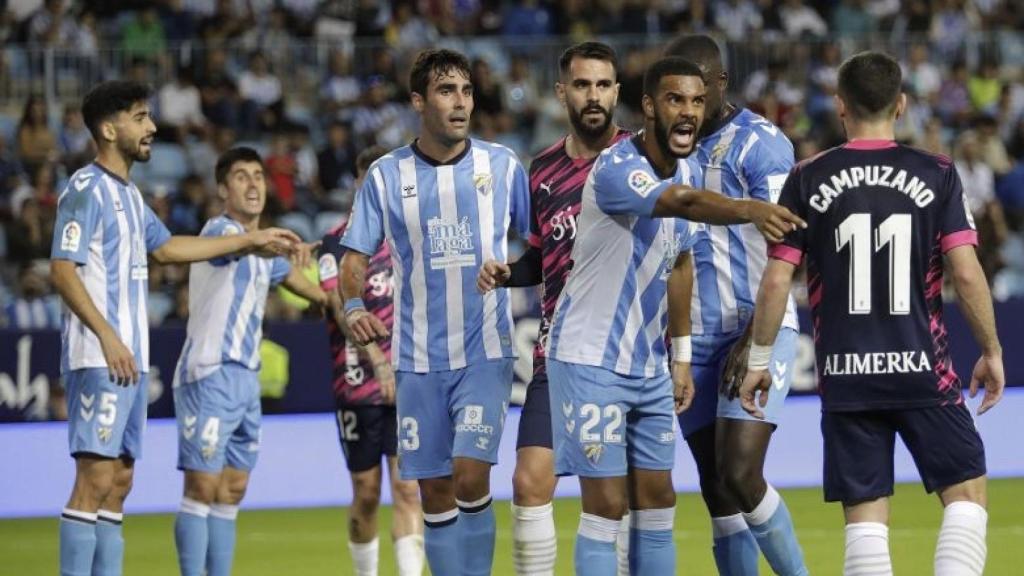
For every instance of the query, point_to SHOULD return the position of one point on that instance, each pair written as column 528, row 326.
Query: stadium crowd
column 310, row 83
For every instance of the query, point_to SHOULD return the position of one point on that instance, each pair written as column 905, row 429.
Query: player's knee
column 406, row 494
column 201, row 487
column 472, row 479
column 741, row 480
column 93, row 488
column 438, row 495
column 233, row 491
column 532, row 488
column 973, row 490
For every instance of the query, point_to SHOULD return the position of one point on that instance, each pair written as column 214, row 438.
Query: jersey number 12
column 893, row 232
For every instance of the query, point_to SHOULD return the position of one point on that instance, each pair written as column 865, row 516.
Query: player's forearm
column 680, row 296
column 352, row 277
column 702, row 206
column 771, row 301
column 527, row 270
column 975, row 302
column 183, row 249
column 374, row 354
column 73, row 292
column 298, row 284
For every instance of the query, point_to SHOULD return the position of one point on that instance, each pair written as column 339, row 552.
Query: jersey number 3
column 893, row 232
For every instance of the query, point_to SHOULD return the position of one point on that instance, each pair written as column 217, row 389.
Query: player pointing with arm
column 613, row 399
column 881, row 219
column 102, row 237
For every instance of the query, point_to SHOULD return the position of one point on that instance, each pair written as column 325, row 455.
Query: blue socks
column 652, row 550
column 772, row 526
column 77, row 542
column 595, row 546
column 220, row 551
column 441, row 540
column 108, row 559
column 735, row 550
column 191, row 536
column 476, row 533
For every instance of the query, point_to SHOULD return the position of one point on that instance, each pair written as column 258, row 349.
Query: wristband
column 353, row 304
column 682, row 349
column 759, row 357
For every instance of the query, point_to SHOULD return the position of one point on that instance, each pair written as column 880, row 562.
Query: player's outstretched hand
column 988, row 371
column 735, row 368
column 303, row 252
column 492, row 275
column 774, row 221
column 385, row 376
column 683, row 389
column 275, row 241
column 754, row 381
column 120, row 360
column 365, row 327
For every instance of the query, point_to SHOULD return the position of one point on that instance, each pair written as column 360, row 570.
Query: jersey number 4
column 893, row 232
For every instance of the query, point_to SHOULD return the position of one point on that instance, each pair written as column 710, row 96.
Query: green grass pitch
column 311, row 542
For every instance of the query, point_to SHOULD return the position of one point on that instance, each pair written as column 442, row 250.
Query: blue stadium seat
column 299, row 223
column 167, row 166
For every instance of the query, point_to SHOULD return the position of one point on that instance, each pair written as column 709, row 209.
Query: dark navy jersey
column 880, row 216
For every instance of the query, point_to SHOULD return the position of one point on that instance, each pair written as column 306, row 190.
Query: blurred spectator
column 953, row 103
column 378, row 121
column 738, row 19
column 75, row 142
column 852, row 19
column 35, row 308
column 920, row 74
column 272, row 39
column 993, row 151
column 932, row 139
column 407, row 31
column 772, row 82
column 527, row 18
column 218, row 90
column 261, row 92
column 187, row 206
column 488, row 101
column 9, row 171
column 178, row 22
column 180, row 108
column 87, row 40
column 281, row 171
column 980, row 192
column 337, row 159
column 161, row 295
column 203, row 155
column 823, row 81
column 340, row 88
column 224, row 23
column 36, row 141
column 30, row 234
column 801, row 21
column 951, row 23
column 52, row 26
column 985, row 87
column 144, row 36
column 521, row 93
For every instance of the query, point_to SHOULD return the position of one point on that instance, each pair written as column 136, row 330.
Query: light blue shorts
column 219, row 420
column 709, row 355
column 451, row 414
column 104, row 418
column 603, row 423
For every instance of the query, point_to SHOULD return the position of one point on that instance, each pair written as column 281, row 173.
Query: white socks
column 534, row 541
column 867, row 550
column 622, row 546
column 409, row 555
column 765, row 510
column 961, row 549
column 364, row 556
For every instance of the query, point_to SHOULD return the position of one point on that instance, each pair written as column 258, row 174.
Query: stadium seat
column 324, row 221
column 299, row 223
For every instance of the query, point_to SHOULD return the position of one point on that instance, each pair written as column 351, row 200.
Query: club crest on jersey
column 641, row 182
column 593, row 452
column 229, row 230
column 71, row 237
column 482, row 183
column 718, row 153
column 482, row 442
column 473, row 414
column 104, row 433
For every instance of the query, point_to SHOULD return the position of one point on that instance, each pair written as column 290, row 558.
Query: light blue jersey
column 748, row 157
column 104, row 226
column 227, row 296
column 613, row 310
column 441, row 223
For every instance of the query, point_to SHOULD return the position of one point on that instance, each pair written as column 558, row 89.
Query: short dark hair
column 869, row 84
column 233, row 156
column 436, row 62
column 668, row 66
column 368, row 157
column 698, row 48
column 588, row 51
column 109, row 98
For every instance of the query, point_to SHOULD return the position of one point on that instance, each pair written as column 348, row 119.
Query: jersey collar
column 122, row 181
column 433, row 162
column 870, row 144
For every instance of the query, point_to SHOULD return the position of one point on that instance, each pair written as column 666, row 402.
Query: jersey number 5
column 893, row 232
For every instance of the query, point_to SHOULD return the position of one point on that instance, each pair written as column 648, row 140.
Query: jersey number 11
column 893, row 232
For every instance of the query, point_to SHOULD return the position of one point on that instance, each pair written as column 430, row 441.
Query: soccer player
column 883, row 219
column 445, row 204
column 101, row 238
column 612, row 414
column 742, row 155
column 364, row 390
column 588, row 91
column 216, row 383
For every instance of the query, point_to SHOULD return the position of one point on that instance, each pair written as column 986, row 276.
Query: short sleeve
column 519, row 197
column 157, row 233
column 79, row 213
column 793, row 244
column 766, row 169
column 280, row 267
column 221, row 226
column 331, row 252
column 365, row 230
column 626, row 186
column 957, row 227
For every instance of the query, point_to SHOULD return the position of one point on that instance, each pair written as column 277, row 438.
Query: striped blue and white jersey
column 226, row 298
column 104, row 226
column 613, row 312
column 748, row 157
column 441, row 222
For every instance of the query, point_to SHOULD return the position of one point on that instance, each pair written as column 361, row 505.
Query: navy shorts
column 535, row 419
column 943, row 441
column 367, row 434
